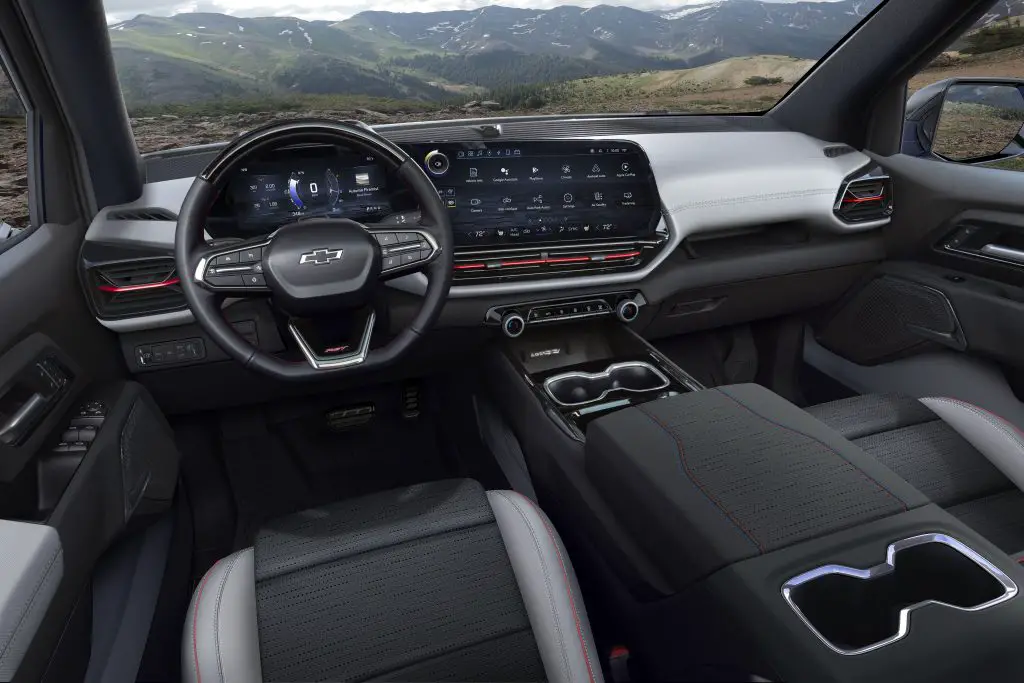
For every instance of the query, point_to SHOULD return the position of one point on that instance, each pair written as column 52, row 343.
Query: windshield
column 194, row 77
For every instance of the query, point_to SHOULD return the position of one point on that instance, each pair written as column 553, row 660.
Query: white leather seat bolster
column 550, row 591
column 221, row 638
column 994, row 437
column 31, row 567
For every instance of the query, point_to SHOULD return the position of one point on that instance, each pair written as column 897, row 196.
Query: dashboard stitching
column 773, row 196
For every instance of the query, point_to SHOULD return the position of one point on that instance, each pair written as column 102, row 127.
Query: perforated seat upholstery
column 441, row 581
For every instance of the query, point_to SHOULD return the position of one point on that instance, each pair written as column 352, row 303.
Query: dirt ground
column 166, row 132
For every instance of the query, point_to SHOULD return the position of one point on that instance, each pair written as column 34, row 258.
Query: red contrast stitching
column 568, row 585
column 689, row 473
column 195, row 621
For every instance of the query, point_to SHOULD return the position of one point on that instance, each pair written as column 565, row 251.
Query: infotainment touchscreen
column 512, row 193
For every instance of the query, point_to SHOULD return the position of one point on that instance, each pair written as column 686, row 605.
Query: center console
column 801, row 557
column 583, row 372
column 736, row 537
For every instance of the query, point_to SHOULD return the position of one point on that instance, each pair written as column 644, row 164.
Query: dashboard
column 714, row 201
column 503, row 194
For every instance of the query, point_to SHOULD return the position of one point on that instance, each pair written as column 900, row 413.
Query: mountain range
column 194, row 57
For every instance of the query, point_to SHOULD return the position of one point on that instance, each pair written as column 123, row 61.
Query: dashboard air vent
column 136, row 288
column 865, row 199
column 143, row 214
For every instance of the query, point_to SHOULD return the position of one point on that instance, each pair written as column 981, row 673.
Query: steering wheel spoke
column 404, row 251
column 235, row 269
column 338, row 342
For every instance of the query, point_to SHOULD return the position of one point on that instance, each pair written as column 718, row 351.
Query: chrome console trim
column 1009, row 587
column 664, row 381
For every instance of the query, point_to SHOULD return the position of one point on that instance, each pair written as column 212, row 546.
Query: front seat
column 440, row 581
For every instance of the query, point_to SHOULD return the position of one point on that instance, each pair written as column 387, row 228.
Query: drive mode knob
column 436, row 162
column 627, row 311
column 512, row 324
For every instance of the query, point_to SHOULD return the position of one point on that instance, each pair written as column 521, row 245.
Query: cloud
column 119, row 10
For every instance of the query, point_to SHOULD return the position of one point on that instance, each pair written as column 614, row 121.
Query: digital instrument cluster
column 345, row 185
column 525, row 192
column 497, row 194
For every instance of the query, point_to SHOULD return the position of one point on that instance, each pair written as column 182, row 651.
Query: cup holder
column 579, row 388
column 854, row 611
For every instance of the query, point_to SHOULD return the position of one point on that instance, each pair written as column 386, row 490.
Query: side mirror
column 968, row 121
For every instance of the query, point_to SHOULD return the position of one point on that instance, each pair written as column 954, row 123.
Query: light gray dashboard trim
column 156, row 321
column 708, row 182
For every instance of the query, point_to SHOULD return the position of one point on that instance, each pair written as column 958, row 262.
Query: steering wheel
column 313, row 268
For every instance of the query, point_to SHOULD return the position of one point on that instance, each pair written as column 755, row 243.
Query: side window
column 967, row 106
column 14, row 215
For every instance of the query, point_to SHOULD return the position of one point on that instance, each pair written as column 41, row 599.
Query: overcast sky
column 119, row 10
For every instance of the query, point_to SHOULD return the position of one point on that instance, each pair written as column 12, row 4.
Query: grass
column 1011, row 164
column 970, row 130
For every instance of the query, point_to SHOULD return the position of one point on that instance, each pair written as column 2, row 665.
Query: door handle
column 23, row 419
column 1008, row 253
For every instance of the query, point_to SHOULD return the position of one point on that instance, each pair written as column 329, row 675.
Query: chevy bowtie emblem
column 321, row 257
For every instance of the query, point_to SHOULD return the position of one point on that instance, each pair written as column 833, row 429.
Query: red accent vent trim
column 115, row 289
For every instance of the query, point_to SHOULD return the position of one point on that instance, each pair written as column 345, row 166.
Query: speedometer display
column 271, row 193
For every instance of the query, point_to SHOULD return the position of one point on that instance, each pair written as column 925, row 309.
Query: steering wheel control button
column 251, row 255
column 231, row 259
column 513, row 324
column 410, row 257
column 254, row 280
column 386, row 239
column 437, row 163
column 391, row 262
column 407, row 237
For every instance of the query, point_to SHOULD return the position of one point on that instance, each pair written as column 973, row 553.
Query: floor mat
column 286, row 457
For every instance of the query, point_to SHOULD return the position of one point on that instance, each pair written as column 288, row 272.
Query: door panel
column 947, row 283
column 81, row 450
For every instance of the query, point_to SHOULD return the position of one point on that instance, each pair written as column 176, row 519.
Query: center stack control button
column 436, row 162
column 513, row 324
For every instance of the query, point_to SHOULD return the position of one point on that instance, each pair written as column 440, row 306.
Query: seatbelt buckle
column 618, row 664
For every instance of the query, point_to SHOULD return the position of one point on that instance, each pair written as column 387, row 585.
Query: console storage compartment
column 708, row 478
